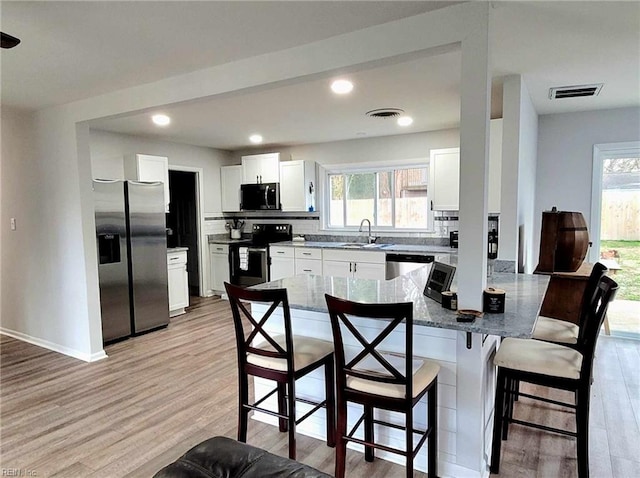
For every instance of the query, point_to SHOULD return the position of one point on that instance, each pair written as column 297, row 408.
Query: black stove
column 250, row 261
column 265, row 234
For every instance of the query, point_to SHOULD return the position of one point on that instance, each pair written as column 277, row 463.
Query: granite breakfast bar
column 464, row 351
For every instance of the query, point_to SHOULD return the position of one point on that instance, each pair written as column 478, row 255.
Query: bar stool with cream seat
column 561, row 331
column 555, row 366
column 282, row 357
column 377, row 379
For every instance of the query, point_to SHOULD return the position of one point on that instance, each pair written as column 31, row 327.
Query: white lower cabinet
column 337, row 268
column 282, row 263
column 368, row 270
column 308, row 266
column 219, row 266
column 178, row 282
column 308, row 260
column 290, row 261
column 357, row 264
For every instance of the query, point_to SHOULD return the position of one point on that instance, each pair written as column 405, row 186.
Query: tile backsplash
column 310, row 224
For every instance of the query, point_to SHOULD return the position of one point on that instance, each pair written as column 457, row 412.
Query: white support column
column 510, row 164
column 474, row 166
column 472, row 253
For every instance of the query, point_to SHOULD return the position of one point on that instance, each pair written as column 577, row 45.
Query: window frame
column 372, row 167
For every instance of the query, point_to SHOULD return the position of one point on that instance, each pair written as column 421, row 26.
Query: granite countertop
column 176, row 249
column 225, row 239
column 524, row 295
column 393, row 248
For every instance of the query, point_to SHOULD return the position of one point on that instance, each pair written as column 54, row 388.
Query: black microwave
column 254, row 197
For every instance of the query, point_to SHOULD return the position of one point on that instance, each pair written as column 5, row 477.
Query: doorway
column 182, row 222
column 615, row 223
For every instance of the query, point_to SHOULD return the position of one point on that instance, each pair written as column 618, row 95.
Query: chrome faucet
column 370, row 238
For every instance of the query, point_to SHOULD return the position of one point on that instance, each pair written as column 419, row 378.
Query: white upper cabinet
column 444, row 179
column 230, row 180
column 145, row 167
column 261, row 168
column 444, row 174
column 296, row 178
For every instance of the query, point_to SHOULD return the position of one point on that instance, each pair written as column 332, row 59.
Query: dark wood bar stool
column 555, row 366
column 560, row 331
column 282, row 357
column 377, row 379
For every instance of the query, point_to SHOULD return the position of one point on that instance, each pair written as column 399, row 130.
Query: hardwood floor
column 161, row 393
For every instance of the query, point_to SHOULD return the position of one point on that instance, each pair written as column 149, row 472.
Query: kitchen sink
column 361, row 245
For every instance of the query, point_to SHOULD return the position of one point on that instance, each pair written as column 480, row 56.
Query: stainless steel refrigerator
column 132, row 257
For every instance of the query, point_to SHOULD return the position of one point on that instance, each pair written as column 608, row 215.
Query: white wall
column 61, row 296
column 48, row 246
column 16, row 162
column 108, row 150
column 565, row 158
column 519, row 158
column 381, row 149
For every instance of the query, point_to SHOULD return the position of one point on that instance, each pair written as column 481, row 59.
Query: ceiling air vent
column 385, row 113
column 574, row 91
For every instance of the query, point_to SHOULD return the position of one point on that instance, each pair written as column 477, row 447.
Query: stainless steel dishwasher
column 398, row 264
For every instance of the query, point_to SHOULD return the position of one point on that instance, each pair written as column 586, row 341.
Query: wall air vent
column 577, row 91
column 385, row 113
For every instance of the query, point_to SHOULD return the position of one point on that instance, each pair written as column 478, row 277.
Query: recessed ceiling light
column 161, row 120
column 255, row 138
column 341, row 87
column 405, row 120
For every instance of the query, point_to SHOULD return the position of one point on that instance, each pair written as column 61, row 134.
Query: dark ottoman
column 222, row 457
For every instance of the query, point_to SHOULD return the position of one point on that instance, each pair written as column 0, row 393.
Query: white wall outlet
column 13, row 223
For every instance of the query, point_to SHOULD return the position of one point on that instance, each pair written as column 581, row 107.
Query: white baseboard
column 54, row 347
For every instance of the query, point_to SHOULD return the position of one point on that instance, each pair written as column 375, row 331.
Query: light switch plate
column 13, row 223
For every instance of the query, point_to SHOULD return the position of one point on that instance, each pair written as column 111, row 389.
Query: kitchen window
column 394, row 198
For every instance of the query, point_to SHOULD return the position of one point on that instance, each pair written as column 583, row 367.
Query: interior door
column 183, row 222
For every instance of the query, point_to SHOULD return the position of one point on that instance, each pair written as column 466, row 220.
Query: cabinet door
column 337, row 268
column 292, row 186
column 281, row 267
column 444, row 179
column 230, row 180
column 178, row 287
column 145, row 167
column 296, row 178
column 495, row 165
column 308, row 266
column 367, row 270
column 219, row 270
column 261, row 168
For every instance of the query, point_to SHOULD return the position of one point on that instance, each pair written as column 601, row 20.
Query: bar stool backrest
column 341, row 311
column 246, row 340
column 594, row 317
column 591, row 289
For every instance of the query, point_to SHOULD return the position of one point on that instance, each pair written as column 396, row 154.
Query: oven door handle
column 256, row 249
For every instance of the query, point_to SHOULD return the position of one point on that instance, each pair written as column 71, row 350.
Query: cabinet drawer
column 219, row 248
column 276, row 251
column 174, row 258
column 308, row 253
column 308, row 266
